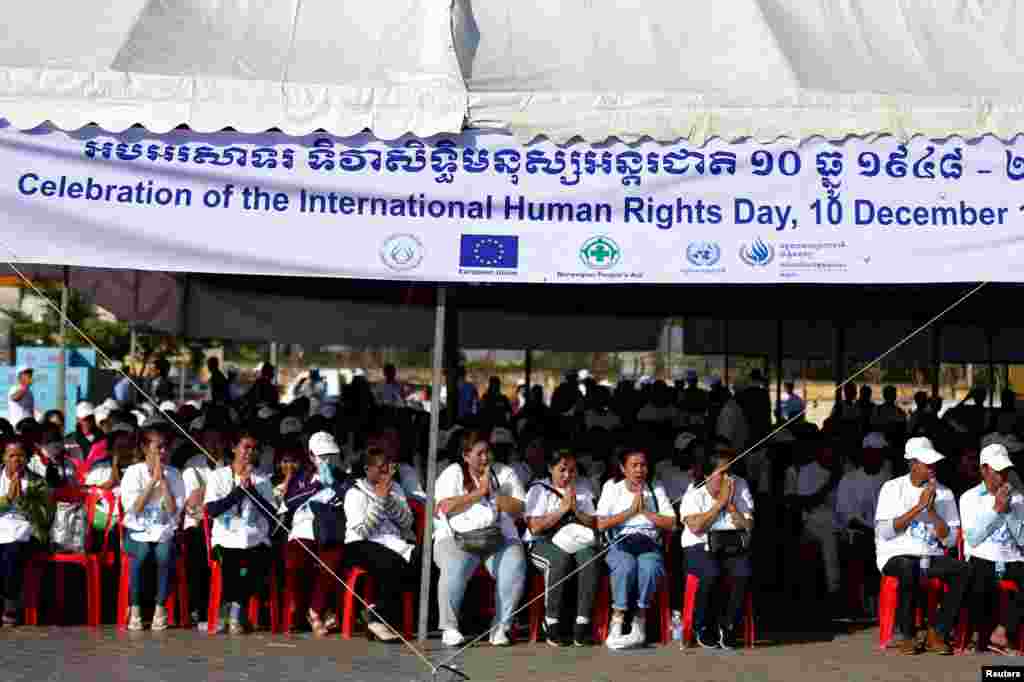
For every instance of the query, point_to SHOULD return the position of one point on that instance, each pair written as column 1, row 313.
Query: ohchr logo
column 401, row 252
column 600, row 253
column 757, row 253
column 703, row 254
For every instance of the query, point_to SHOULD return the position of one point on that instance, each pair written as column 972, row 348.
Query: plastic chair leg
column 689, row 600
column 30, row 590
column 213, row 609
column 60, row 575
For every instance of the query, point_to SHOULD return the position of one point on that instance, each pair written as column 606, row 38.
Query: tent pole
column 435, row 420
column 936, row 368
column 778, row 365
column 529, row 370
column 989, row 340
column 62, row 362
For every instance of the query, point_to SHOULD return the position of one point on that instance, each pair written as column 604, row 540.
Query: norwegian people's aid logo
column 703, row 254
column 600, row 253
column 401, row 252
column 757, row 253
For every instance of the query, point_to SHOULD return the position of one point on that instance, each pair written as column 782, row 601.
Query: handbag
column 480, row 541
column 67, row 534
column 728, row 543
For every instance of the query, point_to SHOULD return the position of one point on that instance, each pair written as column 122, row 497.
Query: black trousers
column 706, row 612
column 198, row 570
column 955, row 574
column 984, row 594
column 394, row 575
column 238, row 588
column 555, row 564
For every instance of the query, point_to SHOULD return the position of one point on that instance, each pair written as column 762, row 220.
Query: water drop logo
column 757, row 254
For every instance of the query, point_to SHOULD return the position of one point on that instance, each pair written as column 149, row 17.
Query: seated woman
column 23, row 515
column 240, row 504
column 475, row 494
column 563, row 501
column 304, row 487
column 153, row 497
column 635, row 513
column 380, row 537
column 723, row 503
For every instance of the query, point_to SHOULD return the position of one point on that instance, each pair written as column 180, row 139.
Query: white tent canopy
column 560, row 68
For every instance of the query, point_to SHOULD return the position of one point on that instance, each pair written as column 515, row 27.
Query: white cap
column 101, row 413
column 290, row 425
column 84, row 410
column 266, row 413
column 168, row 406
column 925, row 454
column 140, row 416
column 24, row 368
column 914, row 444
column 322, row 443
column 996, row 456
column 122, row 427
column 683, row 440
column 111, row 404
column 502, row 436
column 875, row 441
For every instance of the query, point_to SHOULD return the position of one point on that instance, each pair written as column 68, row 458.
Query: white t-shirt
column 24, row 408
column 303, row 526
column 675, row 480
column 357, row 501
column 540, row 500
column 154, row 523
column 197, row 470
column 895, row 499
column 243, row 526
column 14, row 526
column 1002, row 532
column 699, row 500
column 807, row 480
column 617, row 498
column 481, row 514
column 100, row 474
column 857, row 498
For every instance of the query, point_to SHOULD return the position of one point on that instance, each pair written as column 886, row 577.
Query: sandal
column 319, row 630
column 1000, row 644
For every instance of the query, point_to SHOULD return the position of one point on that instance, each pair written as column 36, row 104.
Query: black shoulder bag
column 481, row 541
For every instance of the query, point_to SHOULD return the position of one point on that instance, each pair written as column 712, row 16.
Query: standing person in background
column 757, row 407
column 21, row 404
column 918, row 416
column 790, row 404
column 468, row 399
column 160, row 388
column 218, row 382
column 124, row 389
column 389, row 392
column 264, row 390
column 495, row 408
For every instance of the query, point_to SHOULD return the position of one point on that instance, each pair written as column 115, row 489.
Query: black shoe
column 727, row 638
column 582, row 634
column 705, row 640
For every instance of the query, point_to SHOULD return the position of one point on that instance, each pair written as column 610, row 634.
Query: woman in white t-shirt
column 560, row 534
column 239, row 502
column 380, row 537
column 634, row 513
column 473, row 494
column 153, row 497
column 723, row 503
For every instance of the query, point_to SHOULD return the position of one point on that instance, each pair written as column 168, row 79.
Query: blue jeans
column 507, row 566
column 164, row 554
column 635, row 561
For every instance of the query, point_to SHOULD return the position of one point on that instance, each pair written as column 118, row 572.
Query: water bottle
column 926, row 562
column 1000, row 569
column 677, row 626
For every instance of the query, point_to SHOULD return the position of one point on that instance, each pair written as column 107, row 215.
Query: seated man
column 993, row 523
column 915, row 520
column 810, row 491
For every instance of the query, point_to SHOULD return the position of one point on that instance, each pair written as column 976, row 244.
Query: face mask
column 323, row 470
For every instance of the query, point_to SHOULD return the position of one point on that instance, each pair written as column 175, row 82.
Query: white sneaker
column 452, row 638
column 616, row 640
column 135, row 619
column 499, row 636
column 638, row 634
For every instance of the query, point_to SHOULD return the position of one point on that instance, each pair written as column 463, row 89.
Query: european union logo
column 489, row 251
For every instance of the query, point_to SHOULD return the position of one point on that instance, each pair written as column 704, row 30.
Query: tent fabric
column 252, row 65
column 564, row 69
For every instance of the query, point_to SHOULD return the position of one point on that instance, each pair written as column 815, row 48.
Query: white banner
column 482, row 208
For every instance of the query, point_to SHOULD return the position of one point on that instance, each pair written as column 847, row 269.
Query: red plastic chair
column 966, row 627
column 90, row 561
column 179, row 594
column 689, row 603
column 347, row 601
column 888, row 599
column 217, row 585
column 534, row 590
column 292, row 589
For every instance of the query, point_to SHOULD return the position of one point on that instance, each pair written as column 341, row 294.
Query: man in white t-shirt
column 915, row 523
column 992, row 514
column 21, row 404
column 810, row 490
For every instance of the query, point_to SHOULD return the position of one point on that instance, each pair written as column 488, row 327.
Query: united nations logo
column 757, row 253
column 703, row 254
column 401, row 252
column 600, row 253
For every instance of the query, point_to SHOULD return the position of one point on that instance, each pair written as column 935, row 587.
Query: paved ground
column 80, row 654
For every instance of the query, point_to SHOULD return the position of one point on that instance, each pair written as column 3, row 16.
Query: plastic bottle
column 1000, row 569
column 677, row 626
column 926, row 562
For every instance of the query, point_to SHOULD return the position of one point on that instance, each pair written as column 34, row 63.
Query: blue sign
column 44, row 388
column 489, row 251
column 43, row 356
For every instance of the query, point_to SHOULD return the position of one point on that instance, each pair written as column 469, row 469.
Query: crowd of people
column 645, row 484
